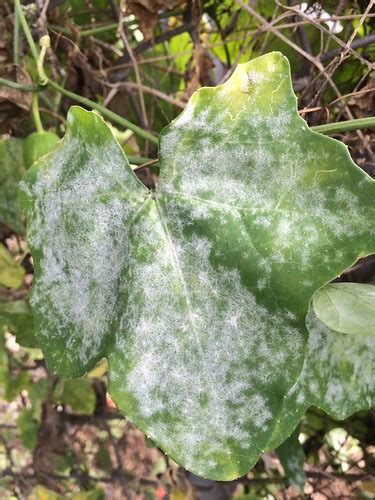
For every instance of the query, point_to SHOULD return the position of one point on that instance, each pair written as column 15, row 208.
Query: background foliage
column 143, row 60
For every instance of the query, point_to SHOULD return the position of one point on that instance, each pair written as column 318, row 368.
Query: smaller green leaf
column 11, row 171
column 4, row 368
column 292, row 458
column 17, row 317
column 38, row 393
column 346, row 308
column 64, row 463
column 99, row 370
column 103, row 458
column 15, row 156
column 79, row 394
column 37, row 145
column 339, row 369
column 11, row 273
column 15, row 385
column 28, row 428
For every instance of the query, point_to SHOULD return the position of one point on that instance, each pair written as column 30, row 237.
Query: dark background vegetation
column 143, row 59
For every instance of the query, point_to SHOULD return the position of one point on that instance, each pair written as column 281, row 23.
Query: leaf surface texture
column 196, row 293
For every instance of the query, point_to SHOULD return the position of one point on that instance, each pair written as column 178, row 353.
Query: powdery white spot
column 338, row 373
column 261, row 284
column 284, row 228
column 254, row 76
column 199, row 359
column 78, row 226
column 185, row 117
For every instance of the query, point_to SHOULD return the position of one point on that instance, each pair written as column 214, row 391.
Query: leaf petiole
column 36, row 114
column 345, row 126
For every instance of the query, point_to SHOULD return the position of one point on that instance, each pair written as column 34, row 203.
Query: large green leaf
column 11, row 171
column 16, row 155
column 338, row 374
column 196, row 293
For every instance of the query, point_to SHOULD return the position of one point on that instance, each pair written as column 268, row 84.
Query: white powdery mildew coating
column 256, row 160
column 84, row 245
column 253, row 156
column 297, row 217
column 202, row 358
column 339, row 373
column 204, row 353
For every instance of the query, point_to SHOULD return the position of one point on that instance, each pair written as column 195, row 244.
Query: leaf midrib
column 182, row 280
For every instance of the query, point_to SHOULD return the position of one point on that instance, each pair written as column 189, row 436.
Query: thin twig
column 148, row 90
column 318, row 25
column 349, row 43
column 129, row 50
column 116, row 476
column 147, row 164
column 142, row 47
column 351, row 94
column 270, row 27
column 361, row 42
column 16, row 37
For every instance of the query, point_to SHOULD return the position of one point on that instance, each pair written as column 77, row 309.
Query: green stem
column 76, row 97
column 20, row 86
column 16, row 38
column 36, row 114
column 26, row 30
column 345, row 126
column 139, row 160
column 105, row 112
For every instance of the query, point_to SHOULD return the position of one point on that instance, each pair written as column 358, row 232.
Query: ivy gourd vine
column 197, row 293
